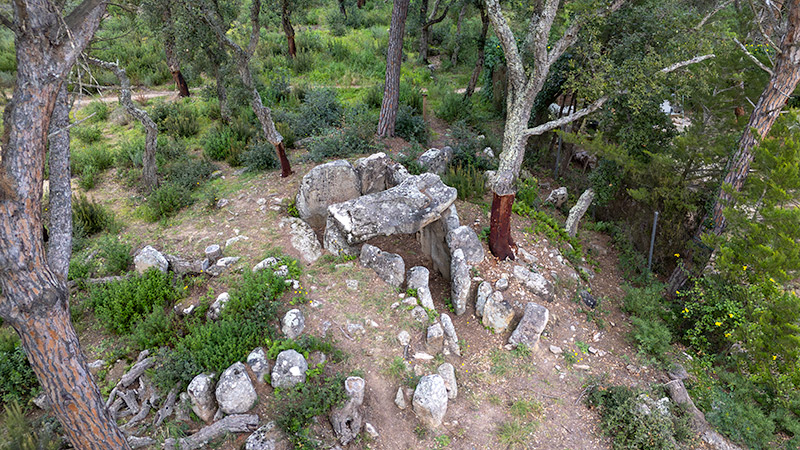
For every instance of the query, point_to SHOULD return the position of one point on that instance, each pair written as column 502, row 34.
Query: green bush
column 120, row 305
column 356, row 137
column 260, row 156
column 470, row 182
column 100, row 110
column 741, row 418
column 22, row 433
column 17, row 381
column 301, row 403
column 88, row 134
column 320, row 111
column 90, row 218
column 92, row 157
column 115, row 254
column 411, row 126
column 166, row 201
column 189, row 173
column 217, row 143
column 129, row 153
column 630, row 425
column 155, row 329
column 169, row 148
column 454, row 107
column 177, row 119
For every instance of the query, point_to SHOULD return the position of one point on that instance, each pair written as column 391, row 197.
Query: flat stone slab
column 404, row 209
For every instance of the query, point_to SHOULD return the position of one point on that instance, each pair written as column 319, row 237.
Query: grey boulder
column 497, row 313
column 348, row 419
column 530, row 328
column 235, row 391
column 465, row 239
column 430, row 400
column 324, row 185
column 201, row 396
column 558, row 196
column 259, row 364
column 436, row 159
column 534, row 282
column 149, row 257
column 290, row 369
column 303, row 239
column 484, row 292
column 390, row 267
column 293, row 323
column 372, row 173
column 461, row 281
column 448, row 374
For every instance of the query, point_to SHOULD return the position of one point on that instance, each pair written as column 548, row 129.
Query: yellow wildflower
column 730, row 315
column 717, row 323
column 677, row 255
column 774, row 357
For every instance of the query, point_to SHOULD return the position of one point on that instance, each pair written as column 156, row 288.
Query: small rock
column 223, row 202
column 282, row 271
column 581, row 367
column 355, row 328
column 293, row 323
column 213, row 253
column 201, row 396
column 588, row 299
column 430, row 400
column 227, row 261
column 558, row 197
column 419, row 314
column 371, row 431
column 556, row 350
column 351, row 284
column 404, row 338
column 236, row 239
column 216, row 308
column 290, row 369
column 448, row 374
column 400, row 399
column 484, row 292
column 534, row 282
column 269, row 262
column 435, row 336
column 259, row 364
column 501, row 284
column 423, row 356
column 149, row 257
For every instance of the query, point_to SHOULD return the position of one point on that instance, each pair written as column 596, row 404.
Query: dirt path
column 141, row 94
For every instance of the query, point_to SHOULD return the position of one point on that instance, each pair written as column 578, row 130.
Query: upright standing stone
column 324, row 185
column 430, row 400
column 531, row 326
column 577, row 211
column 461, row 282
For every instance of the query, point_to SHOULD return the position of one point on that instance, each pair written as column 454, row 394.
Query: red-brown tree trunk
column 476, row 72
column 394, row 59
column 500, row 243
column 172, row 60
column 782, row 84
column 35, row 300
column 288, row 29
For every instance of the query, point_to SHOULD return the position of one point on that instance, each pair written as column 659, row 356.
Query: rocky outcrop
column 324, row 185
column 536, row 283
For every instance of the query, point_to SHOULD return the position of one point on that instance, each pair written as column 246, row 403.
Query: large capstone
column 290, row 369
column 235, row 391
column 324, row 185
column 531, row 326
column 149, row 257
column 430, row 400
column 403, row 209
column 389, row 266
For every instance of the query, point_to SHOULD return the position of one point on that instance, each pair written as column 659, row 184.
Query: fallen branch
column 139, row 442
column 143, row 412
column 136, row 371
column 237, row 423
column 167, row 409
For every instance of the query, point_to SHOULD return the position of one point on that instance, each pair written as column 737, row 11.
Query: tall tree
column 426, row 21
column 149, row 178
column 34, row 298
column 288, row 29
column 476, row 72
column 459, row 24
column 212, row 17
column 782, row 83
column 59, row 246
column 394, row 59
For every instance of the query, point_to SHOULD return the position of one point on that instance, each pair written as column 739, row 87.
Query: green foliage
column 119, row 305
column 515, row 433
column 356, row 137
column 320, row 111
column 648, row 313
column 21, row 433
column 189, row 173
column 411, row 126
column 18, row 383
column 218, row 143
column 260, row 156
column 90, row 218
column 454, row 107
column 555, row 232
column 304, row 344
column 166, row 201
column 89, row 161
column 88, row 134
column 178, row 119
column 527, row 198
column 99, row 109
column 155, row 329
column 633, row 427
column 740, row 417
column 470, row 181
column 301, row 403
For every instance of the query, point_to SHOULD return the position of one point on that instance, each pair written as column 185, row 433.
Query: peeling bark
column 288, row 29
column 169, row 51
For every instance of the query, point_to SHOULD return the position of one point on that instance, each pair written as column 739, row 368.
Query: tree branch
column 753, row 58
column 516, row 71
column 719, row 8
column 431, row 20
column 255, row 12
column 81, row 24
column 553, row 124
column 688, row 62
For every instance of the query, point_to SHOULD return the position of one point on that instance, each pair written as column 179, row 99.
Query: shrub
column 302, row 62
column 100, row 110
column 129, row 152
column 741, row 418
column 116, row 255
column 470, row 182
column 630, row 425
column 177, row 119
column 92, row 157
column 217, row 143
column 17, row 381
column 320, row 110
column 260, row 156
column 301, row 403
column 411, row 126
column 90, row 218
column 87, row 134
column 169, row 148
column 155, row 329
column 120, row 305
column 453, row 107
column 357, row 136
column 21, row 433
column 166, row 201
column 189, row 173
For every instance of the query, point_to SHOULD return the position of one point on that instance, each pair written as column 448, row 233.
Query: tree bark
column 500, row 242
column 34, row 299
column 172, row 60
column 288, row 29
column 426, row 22
column 394, row 59
column 59, row 246
column 476, row 73
column 783, row 82
column 149, row 177
column 459, row 23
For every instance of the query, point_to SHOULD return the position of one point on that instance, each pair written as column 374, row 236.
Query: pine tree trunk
column 59, row 246
column 783, row 82
column 476, row 73
column 459, row 23
column 288, row 29
column 394, row 59
column 35, row 300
